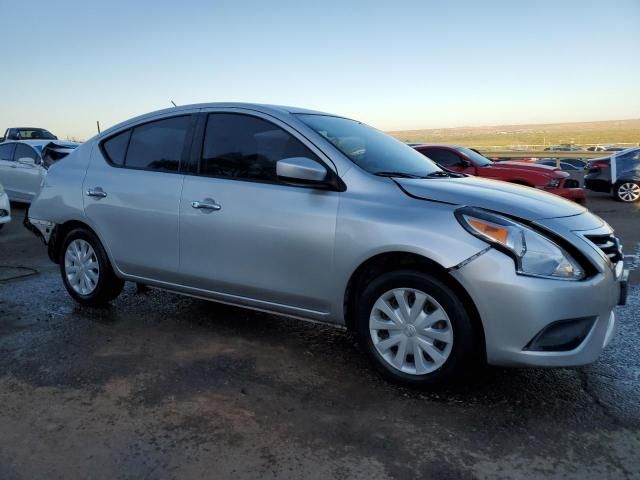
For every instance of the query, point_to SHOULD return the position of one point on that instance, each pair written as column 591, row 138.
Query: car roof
column 260, row 107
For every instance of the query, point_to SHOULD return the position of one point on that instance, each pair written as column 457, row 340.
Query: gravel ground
column 162, row 386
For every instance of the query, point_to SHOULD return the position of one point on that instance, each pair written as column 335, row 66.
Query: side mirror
column 465, row 163
column 301, row 169
column 27, row 161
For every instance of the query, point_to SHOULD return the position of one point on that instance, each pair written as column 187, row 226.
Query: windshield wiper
column 397, row 174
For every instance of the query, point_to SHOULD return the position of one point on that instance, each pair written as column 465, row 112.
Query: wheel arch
column 59, row 233
column 398, row 260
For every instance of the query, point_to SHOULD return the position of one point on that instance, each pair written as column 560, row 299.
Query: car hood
column 508, row 198
column 527, row 167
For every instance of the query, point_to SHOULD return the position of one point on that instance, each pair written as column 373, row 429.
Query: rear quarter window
column 115, row 148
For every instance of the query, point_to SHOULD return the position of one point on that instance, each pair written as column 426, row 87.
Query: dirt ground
column 162, row 386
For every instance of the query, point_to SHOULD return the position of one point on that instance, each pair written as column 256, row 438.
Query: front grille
column 609, row 245
column 571, row 183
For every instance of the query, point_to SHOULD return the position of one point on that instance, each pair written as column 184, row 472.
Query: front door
column 256, row 238
column 6, row 166
column 27, row 173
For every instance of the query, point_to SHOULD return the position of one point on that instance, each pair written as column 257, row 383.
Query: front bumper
column 5, row 209
column 515, row 308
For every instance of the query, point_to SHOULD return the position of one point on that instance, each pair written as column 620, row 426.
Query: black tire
column 617, row 194
column 108, row 286
column 465, row 348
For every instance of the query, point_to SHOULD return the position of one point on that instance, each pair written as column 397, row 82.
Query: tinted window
column 6, row 151
column 446, row 158
column 24, row 151
column 241, row 146
column 158, row 145
column 116, row 148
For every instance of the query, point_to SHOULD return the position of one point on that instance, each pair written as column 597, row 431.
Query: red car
column 465, row 160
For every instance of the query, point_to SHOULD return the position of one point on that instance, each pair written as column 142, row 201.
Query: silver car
column 323, row 218
column 24, row 163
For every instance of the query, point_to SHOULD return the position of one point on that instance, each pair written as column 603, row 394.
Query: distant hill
column 613, row 131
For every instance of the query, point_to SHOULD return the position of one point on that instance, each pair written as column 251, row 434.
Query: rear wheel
column 628, row 192
column 86, row 271
column 415, row 329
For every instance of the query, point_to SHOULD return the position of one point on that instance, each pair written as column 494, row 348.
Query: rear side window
column 116, row 148
column 158, row 145
column 245, row 147
column 6, row 151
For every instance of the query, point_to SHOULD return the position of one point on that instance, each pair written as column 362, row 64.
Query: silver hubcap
column 81, row 267
column 629, row 192
column 411, row 331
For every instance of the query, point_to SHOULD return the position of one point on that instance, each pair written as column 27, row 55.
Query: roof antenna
column 174, row 103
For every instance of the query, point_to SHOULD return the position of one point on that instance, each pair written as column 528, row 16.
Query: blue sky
column 394, row 64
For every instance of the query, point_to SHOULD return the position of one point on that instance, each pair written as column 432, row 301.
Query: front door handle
column 206, row 204
column 96, row 192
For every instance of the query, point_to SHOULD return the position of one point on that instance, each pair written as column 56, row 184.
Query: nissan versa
column 320, row 217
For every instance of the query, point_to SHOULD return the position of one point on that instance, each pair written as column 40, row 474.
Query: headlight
column 533, row 253
column 553, row 183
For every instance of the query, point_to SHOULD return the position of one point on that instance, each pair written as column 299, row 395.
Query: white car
column 23, row 164
column 5, row 208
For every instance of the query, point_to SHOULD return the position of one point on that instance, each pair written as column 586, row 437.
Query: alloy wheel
column 411, row 331
column 629, row 192
column 81, row 266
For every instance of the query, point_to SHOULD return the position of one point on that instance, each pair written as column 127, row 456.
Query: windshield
column 370, row 149
column 477, row 158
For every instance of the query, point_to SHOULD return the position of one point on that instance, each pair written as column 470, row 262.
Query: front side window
column 245, row 147
column 370, row 149
column 6, row 151
column 157, row 145
column 24, row 151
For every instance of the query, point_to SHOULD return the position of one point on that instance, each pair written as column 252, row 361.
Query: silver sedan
column 323, row 218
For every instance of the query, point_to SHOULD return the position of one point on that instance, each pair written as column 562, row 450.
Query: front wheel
column 86, row 271
column 628, row 192
column 415, row 329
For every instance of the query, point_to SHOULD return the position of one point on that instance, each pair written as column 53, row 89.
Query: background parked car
column 565, row 147
column 465, row 160
column 23, row 164
column 605, row 148
column 5, row 208
column 27, row 133
column 618, row 174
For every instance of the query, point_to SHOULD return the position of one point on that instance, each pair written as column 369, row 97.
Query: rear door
column 266, row 243
column 132, row 195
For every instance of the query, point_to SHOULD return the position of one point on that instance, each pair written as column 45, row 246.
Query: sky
column 393, row 64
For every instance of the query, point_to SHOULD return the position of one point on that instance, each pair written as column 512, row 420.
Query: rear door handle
column 96, row 192
column 206, row 204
